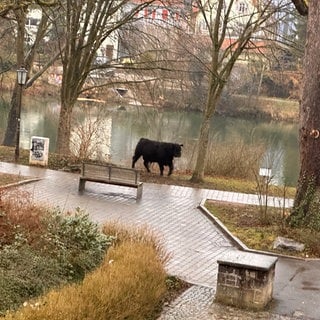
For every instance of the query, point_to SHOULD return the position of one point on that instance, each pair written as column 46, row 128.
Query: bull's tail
column 135, row 159
column 137, row 151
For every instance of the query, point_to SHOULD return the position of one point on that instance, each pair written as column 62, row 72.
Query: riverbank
column 267, row 108
column 241, row 106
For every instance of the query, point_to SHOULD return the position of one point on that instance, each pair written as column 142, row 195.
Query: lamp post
column 21, row 78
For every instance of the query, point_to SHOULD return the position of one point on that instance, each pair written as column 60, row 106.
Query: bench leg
column 82, row 184
column 139, row 192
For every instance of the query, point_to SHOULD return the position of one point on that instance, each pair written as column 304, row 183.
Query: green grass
column 229, row 184
column 258, row 230
column 6, row 178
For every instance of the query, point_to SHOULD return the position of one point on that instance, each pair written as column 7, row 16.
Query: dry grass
column 280, row 109
column 21, row 215
column 217, row 183
column 128, row 285
column 237, row 160
column 266, row 107
column 140, row 234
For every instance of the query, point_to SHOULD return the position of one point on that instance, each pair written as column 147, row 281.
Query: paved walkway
column 194, row 242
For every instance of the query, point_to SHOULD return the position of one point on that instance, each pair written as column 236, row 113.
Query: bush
column 43, row 248
column 75, row 241
column 128, row 285
column 24, row 274
column 46, row 249
column 20, row 220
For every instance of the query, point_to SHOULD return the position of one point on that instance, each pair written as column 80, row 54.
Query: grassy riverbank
column 261, row 107
column 234, row 105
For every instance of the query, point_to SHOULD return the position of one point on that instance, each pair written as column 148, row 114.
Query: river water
column 116, row 132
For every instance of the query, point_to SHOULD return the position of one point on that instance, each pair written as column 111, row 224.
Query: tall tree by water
column 232, row 27
column 87, row 24
column 306, row 210
column 17, row 11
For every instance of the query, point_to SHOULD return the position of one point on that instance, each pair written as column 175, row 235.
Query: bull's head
column 177, row 150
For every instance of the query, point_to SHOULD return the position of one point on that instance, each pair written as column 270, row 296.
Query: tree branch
column 45, row 68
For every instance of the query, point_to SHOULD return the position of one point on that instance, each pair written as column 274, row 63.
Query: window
column 242, row 7
column 146, row 12
column 164, row 14
column 32, row 22
column 153, row 14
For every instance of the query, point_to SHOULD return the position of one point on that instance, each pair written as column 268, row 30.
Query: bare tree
column 18, row 13
column 20, row 17
column 231, row 30
column 7, row 58
column 161, row 64
column 87, row 25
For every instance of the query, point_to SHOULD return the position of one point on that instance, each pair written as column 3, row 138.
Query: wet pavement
column 194, row 242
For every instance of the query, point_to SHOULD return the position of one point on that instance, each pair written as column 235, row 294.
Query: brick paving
column 192, row 240
column 196, row 304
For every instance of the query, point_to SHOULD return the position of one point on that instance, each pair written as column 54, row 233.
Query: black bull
column 155, row 151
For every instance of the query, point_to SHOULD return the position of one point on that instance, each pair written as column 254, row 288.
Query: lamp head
column 22, row 75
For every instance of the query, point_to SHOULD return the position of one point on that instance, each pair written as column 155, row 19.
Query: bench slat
column 110, row 174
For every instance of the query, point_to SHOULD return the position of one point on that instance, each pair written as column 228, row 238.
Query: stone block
column 245, row 279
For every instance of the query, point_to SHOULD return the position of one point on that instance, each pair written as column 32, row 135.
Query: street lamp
column 21, row 78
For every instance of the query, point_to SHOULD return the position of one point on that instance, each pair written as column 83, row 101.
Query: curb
column 17, row 184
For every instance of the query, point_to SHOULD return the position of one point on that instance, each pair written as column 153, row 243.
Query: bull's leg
column 146, row 164
column 161, row 167
column 170, row 169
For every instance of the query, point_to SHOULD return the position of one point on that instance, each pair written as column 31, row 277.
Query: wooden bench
column 110, row 174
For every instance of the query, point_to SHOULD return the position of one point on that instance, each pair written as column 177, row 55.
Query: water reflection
column 117, row 132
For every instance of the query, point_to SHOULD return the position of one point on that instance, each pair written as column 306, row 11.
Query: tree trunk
column 10, row 134
column 211, row 104
column 198, row 173
column 306, row 208
column 64, row 129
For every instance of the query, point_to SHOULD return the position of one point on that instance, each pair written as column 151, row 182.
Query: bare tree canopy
column 87, row 25
column 7, row 5
column 232, row 29
column 24, row 57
